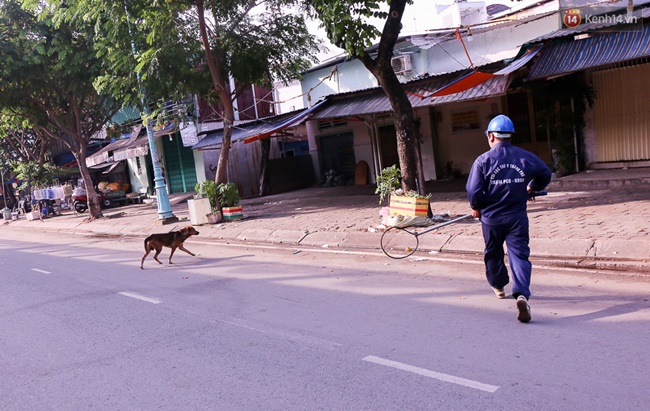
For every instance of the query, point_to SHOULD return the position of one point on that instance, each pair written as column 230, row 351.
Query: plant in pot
column 229, row 198
column 410, row 203
column 208, row 189
column 389, row 181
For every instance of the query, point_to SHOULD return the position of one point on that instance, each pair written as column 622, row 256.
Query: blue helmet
column 501, row 125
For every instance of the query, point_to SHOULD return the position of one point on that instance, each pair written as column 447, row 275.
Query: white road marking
column 41, row 271
column 432, row 374
column 249, row 325
column 140, row 297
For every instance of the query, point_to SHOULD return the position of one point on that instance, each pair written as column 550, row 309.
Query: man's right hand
column 476, row 213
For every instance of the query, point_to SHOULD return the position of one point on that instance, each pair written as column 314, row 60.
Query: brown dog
column 173, row 240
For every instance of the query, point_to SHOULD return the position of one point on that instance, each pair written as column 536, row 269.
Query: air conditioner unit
column 402, row 64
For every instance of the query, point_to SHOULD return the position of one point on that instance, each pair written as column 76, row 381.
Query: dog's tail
column 146, row 241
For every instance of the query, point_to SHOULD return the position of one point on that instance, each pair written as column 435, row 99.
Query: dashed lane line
column 140, row 297
column 432, row 374
column 38, row 270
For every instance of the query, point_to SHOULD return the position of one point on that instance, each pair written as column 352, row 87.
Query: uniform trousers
column 516, row 237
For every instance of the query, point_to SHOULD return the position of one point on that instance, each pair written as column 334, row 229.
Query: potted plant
column 229, row 198
column 205, row 207
column 410, row 203
column 388, row 182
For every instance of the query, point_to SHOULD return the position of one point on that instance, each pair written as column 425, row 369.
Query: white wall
column 138, row 177
column 350, row 76
column 488, row 47
column 288, row 97
column 426, row 148
column 199, row 166
column 462, row 147
column 362, row 146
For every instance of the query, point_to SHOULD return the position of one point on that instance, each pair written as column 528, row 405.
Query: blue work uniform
column 498, row 187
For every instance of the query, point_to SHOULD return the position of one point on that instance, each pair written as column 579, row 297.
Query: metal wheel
column 80, row 207
column 399, row 243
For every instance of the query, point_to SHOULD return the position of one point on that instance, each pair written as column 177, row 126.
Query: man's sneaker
column 499, row 292
column 523, row 309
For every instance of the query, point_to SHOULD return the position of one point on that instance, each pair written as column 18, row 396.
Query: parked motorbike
column 80, row 200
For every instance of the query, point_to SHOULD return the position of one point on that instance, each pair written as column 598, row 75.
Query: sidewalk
column 590, row 219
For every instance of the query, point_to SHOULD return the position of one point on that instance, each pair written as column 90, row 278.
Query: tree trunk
column 94, row 206
column 407, row 134
column 228, row 122
column 408, row 142
column 215, row 64
column 266, row 148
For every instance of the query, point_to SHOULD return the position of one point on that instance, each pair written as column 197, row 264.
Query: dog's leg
column 171, row 254
column 186, row 250
column 155, row 257
column 147, row 250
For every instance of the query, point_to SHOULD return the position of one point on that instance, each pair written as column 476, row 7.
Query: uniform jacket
column 498, row 182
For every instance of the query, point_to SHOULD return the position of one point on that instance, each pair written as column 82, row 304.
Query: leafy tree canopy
column 349, row 26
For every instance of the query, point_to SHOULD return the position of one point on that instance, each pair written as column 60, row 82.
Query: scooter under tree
column 80, row 200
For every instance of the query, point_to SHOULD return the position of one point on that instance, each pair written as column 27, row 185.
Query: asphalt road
column 258, row 328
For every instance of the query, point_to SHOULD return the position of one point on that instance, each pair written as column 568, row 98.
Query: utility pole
column 165, row 214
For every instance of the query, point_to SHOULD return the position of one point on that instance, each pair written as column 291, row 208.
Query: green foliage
column 271, row 43
column 415, row 194
column 208, row 188
column 228, row 194
column 348, row 23
column 48, row 69
column 34, row 174
column 351, row 25
column 388, row 181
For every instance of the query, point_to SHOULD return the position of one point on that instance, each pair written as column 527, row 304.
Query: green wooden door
column 180, row 172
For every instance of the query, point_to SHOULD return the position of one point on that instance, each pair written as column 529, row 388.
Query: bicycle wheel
column 399, row 243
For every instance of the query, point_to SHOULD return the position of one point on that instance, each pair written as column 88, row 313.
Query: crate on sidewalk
column 232, row 213
column 409, row 206
column 33, row 215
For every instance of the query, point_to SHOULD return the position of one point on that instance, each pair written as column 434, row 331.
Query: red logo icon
column 572, row 18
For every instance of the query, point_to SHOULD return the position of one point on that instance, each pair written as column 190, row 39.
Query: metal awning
column 376, row 102
column 164, row 131
column 447, row 88
column 133, row 146
column 597, row 50
column 258, row 129
column 138, row 147
column 603, row 21
column 103, row 155
column 420, row 94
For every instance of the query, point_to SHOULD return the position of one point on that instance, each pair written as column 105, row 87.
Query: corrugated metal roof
column 120, row 147
column 127, row 113
column 521, row 61
column 598, row 50
column 376, row 102
column 258, row 128
column 595, row 24
column 419, row 92
column 102, row 156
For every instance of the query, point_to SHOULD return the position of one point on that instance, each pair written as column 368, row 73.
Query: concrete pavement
column 591, row 219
